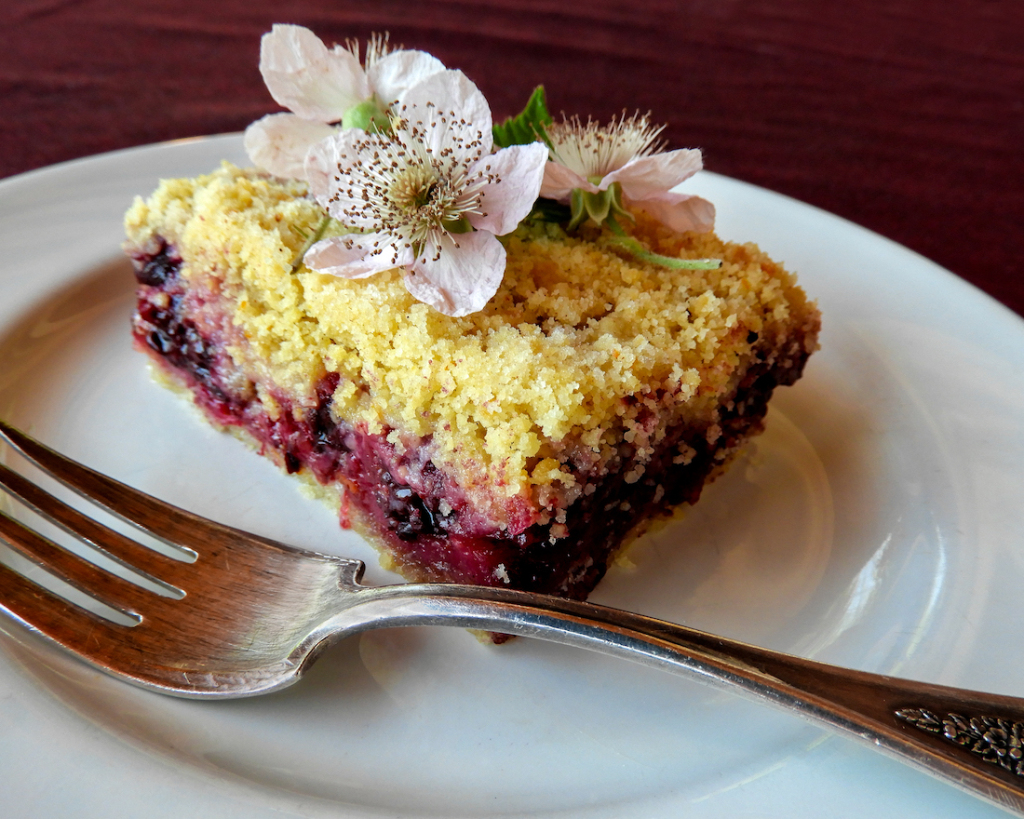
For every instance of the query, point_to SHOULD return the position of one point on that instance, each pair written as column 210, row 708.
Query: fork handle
column 971, row 739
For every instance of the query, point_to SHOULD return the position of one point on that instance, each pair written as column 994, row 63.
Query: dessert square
column 522, row 445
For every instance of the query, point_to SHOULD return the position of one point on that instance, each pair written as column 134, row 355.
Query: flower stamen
column 593, row 150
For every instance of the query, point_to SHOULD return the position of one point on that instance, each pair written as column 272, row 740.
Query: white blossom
column 592, row 158
column 321, row 86
column 428, row 195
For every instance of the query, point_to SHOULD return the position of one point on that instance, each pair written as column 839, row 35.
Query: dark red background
column 905, row 116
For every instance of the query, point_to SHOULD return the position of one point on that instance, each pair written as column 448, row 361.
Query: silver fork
column 235, row 615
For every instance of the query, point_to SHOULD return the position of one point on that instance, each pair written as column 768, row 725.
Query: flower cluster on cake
column 500, row 349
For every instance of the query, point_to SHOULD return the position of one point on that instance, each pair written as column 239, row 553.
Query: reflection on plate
column 873, row 525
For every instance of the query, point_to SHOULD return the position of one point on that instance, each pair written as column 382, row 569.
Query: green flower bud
column 367, row 116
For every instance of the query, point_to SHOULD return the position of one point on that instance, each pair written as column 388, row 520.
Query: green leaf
column 526, row 126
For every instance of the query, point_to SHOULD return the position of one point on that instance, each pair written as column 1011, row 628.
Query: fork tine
column 171, row 524
column 51, row 615
column 109, row 589
column 147, row 562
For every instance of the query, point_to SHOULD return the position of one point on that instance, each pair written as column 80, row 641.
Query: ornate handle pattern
column 994, row 739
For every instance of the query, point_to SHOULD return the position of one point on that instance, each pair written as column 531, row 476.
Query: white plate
column 874, row 525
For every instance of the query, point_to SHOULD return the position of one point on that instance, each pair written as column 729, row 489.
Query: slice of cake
column 499, row 349
column 519, row 445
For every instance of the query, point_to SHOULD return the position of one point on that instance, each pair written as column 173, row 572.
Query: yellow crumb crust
column 578, row 350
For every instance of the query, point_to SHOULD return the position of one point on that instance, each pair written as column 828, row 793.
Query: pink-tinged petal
column 392, row 75
column 342, row 149
column 278, row 143
column 464, row 277
column 559, row 182
column 679, row 211
column 303, row 75
column 321, row 165
column 357, row 256
column 448, row 110
column 519, row 170
column 651, row 175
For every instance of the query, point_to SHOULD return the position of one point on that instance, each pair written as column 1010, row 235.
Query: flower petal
column 519, row 170
column 302, row 74
column 655, row 174
column 463, row 278
column 679, row 211
column 448, row 111
column 340, row 150
column 278, row 143
column 357, row 256
column 392, row 75
column 559, row 182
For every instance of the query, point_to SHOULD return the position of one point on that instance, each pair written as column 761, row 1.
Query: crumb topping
column 581, row 348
